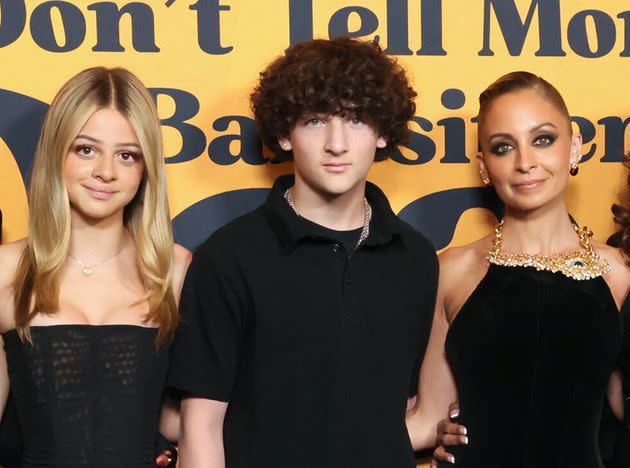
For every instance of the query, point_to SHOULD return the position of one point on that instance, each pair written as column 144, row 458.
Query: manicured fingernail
column 463, row 431
column 454, row 413
column 465, row 440
column 451, row 459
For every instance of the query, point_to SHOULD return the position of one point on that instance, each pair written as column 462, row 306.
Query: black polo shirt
column 314, row 349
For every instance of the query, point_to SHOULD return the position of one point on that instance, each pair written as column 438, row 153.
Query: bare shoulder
column 10, row 255
column 457, row 262
column 618, row 278
column 181, row 260
column 612, row 255
column 181, row 256
column 461, row 270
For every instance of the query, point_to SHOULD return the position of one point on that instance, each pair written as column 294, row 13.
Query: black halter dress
column 531, row 352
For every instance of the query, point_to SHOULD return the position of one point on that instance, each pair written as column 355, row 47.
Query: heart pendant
column 87, row 271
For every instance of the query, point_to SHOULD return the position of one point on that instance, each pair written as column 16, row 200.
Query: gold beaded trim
column 577, row 264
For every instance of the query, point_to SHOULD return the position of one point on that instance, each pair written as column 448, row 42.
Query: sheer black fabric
column 10, row 437
column 87, row 395
column 531, row 352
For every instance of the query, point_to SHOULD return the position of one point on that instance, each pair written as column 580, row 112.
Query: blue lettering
column 300, row 20
column 515, row 30
column 12, row 20
column 454, row 128
column 250, row 144
column 422, row 145
column 398, row 27
column 605, row 32
column 431, row 33
column 73, row 26
column 625, row 16
column 614, row 138
column 338, row 24
column 108, row 27
column 186, row 107
column 209, row 26
column 587, row 130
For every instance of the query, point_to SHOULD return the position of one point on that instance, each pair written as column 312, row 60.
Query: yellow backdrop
column 210, row 52
column 201, row 59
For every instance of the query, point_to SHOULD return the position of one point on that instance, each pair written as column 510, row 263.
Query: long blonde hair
column 147, row 218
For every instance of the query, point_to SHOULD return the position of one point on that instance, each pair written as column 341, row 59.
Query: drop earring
column 485, row 179
column 575, row 166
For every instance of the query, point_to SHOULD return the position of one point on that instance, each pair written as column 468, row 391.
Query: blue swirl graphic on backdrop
column 435, row 215
column 20, row 123
column 193, row 225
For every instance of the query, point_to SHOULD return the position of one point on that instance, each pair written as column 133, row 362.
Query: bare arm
column 201, row 442
column 9, row 258
column 615, row 394
column 181, row 261
column 4, row 379
column 437, row 387
column 169, row 416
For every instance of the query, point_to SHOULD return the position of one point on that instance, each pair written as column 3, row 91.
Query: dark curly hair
column 334, row 77
column 621, row 215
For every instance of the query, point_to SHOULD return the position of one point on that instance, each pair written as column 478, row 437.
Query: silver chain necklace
column 365, row 231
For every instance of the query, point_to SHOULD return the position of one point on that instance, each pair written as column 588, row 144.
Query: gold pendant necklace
column 88, row 270
column 577, row 264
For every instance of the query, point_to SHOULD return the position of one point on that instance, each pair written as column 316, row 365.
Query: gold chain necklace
column 87, row 270
column 577, row 264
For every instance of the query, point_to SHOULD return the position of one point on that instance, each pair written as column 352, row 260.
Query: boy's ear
column 285, row 144
column 381, row 142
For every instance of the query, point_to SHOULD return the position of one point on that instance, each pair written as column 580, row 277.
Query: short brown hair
column 518, row 81
column 333, row 77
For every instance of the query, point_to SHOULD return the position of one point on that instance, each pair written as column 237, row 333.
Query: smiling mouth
column 530, row 184
column 100, row 194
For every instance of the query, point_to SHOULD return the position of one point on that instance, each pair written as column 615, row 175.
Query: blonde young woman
column 526, row 328
column 88, row 303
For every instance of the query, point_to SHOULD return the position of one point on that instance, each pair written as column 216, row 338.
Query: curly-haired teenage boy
column 305, row 321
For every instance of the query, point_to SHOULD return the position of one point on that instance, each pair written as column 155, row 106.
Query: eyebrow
column 538, row 127
column 96, row 140
column 531, row 130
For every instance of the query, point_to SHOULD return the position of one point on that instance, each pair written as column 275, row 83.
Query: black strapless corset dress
column 87, row 396
column 531, row 352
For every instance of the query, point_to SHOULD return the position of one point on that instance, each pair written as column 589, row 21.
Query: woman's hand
column 165, row 458
column 449, row 433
